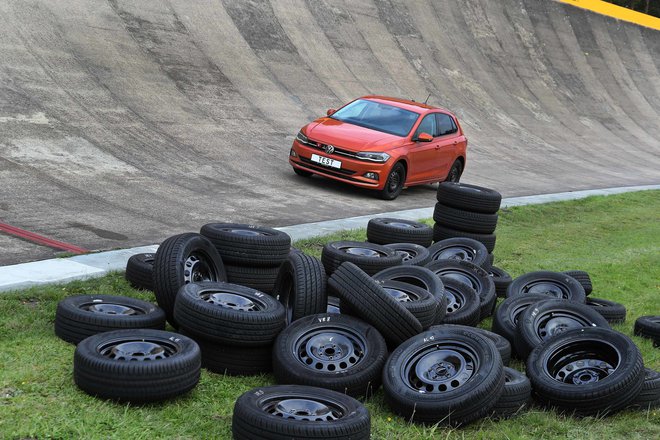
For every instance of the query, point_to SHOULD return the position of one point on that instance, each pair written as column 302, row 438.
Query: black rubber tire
column 140, row 271
column 420, row 277
column 255, row 277
column 553, row 284
column 462, row 303
column 501, row 278
column 469, row 197
column 648, row 327
column 396, row 180
column 411, row 254
column 335, row 352
column 549, row 319
column 517, row 395
column 434, row 400
column 81, row 316
column 99, row 370
column 583, row 278
column 506, row 316
column 608, row 394
column 441, row 232
column 229, row 314
column 418, row 301
column 371, row 303
column 257, row 415
column 455, row 172
column 472, row 275
column 612, row 311
column 301, row 286
column 334, row 305
column 381, row 230
column 474, row 222
column 649, row 397
column 248, row 245
column 503, row 346
column 171, row 267
column 459, row 248
column 337, row 252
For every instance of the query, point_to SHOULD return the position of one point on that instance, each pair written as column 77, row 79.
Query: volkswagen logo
column 329, row 149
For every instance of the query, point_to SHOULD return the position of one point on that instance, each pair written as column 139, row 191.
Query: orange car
column 383, row 144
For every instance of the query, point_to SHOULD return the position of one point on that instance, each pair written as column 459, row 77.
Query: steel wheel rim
column 137, row 350
column 455, row 300
column 362, row 252
column 230, row 300
column 454, row 175
column 303, row 408
column 245, row 232
column 548, row 288
column 401, row 225
column 330, row 350
column 394, row 181
column 105, row 308
column 440, row 368
column 400, row 294
column 462, row 276
column 198, row 268
column 553, row 323
column 582, row 362
column 456, row 252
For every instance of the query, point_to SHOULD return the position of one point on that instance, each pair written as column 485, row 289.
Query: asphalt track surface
column 125, row 122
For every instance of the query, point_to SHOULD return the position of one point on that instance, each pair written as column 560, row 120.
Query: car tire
column 445, row 394
column 507, row 315
column 517, row 394
column 587, row 371
column 553, row 284
column 649, row 397
column 501, row 278
column 441, row 232
column 420, row 302
column 612, row 311
column 255, row 277
column 462, row 303
column 648, row 327
column 229, row 314
column 248, row 245
column 583, row 278
column 335, row 352
column 503, row 346
column 411, row 254
column 474, row 222
column 79, row 317
column 301, row 412
column 137, row 365
column 469, row 197
column 140, row 271
column 183, row 259
column 455, row 172
column 301, row 286
column 381, row 230
column 369, row 257
column 371, row 303
column 334, row 305
column 396, row 180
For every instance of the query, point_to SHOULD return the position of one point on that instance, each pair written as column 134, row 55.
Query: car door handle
column 455, row 142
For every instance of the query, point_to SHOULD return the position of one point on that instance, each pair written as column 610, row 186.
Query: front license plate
column 326, row 161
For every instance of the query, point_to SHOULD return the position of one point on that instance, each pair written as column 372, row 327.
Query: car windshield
column 377, row 116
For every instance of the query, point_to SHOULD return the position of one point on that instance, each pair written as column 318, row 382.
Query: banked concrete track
column 124, row 122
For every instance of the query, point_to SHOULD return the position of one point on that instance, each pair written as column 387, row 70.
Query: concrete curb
column 62, row 270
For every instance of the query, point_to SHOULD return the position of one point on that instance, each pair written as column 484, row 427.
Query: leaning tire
column 612, row 311
column 79, row 317
column 137, row 365
column 462, row 303
column 420, row 302
column 248, row 245
column 649, row 396
column 648, row 327
column 301, row 412
column 336, row 352
column 411, row 254
column 464, row 249
column 507, row 315
column 501, row 278
column 503, row 346
column 469, row 197
column 140, row 271
column 369, row 257
column 441, row 232
column 301, row 286
column 474, row 222
column 382, row 230
column 556, row 285
column 583, row 278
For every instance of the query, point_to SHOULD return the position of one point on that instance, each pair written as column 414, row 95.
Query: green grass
column 615, row 238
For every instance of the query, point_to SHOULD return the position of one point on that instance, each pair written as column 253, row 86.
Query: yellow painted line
column 619, row 12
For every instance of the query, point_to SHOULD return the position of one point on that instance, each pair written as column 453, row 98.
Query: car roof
column 417, row 107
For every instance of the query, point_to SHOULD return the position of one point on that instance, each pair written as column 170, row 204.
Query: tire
column 507, row 315
column 171, row 366
column 553, row 284
column 395, row 182
column 335, row 352
column 371, row 303
column 441, row 232
column 501, row 279
column 472, row 275
column 517, row 394
column 455, row 172
column 648, row 327
column 464, row 249
column 420, row 277
column 183, row 259
column 334, row 305
column 420, row 302
column 140, row 271
column 411, row 254
column 229, row 314
column 391, row 230
column 301, row 412
column 489, row 260
column 248, row 245
column 612, row 311
column 503, row 346
column 445, row 394
column 583, row 278
column 260, row 278
column 78, row 317
column 548, row 319
column 474, row 222
column 369, row 257
column 301, row 286
column 462, row 303
column 468, row 197
column 562, row 378
column 649, row 397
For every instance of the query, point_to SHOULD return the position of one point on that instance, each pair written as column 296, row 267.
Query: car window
column 446, row 124
column 377, row 116
column 426, row 126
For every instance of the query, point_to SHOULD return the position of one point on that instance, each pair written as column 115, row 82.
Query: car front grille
column 338, row 151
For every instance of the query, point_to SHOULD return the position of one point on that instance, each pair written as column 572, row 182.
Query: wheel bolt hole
column 442, row 387
column 455, row 383
column 331, row 367
column 319, row 366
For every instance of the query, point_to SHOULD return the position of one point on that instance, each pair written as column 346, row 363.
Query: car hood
column 351, row 137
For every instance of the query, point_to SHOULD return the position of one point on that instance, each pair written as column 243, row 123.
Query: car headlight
column 302, row 138
column 374, row 157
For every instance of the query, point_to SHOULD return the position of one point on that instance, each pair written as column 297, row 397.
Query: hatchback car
column 382, row 143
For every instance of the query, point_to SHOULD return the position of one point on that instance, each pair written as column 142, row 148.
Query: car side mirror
column 330, row 111
column 424, row 137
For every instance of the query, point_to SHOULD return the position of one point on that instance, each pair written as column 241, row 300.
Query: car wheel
column 516, row 395
column 395, row 182
column 610, row 310
column 369, row 257
column 412, row 254
column 648, row 327
column 301, row 286
column 462, row 303
column 553, row 284
column 505, row 319
column 302, row 173
column 140, row 271
column 455, row 172
column 393, row 230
